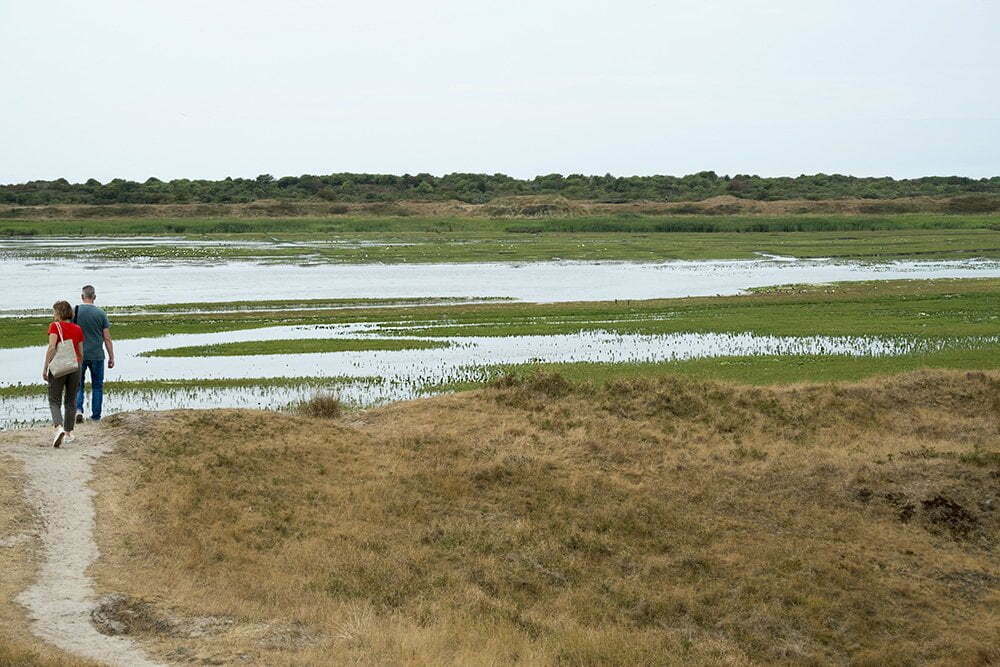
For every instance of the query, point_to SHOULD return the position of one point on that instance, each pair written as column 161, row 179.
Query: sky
column 123, row 89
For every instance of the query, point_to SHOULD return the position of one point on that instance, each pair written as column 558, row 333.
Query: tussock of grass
column 324, row 406
column 543, row 521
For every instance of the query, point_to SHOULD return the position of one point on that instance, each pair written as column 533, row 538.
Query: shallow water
column 21, row 367
column 404, row 372
column 37, row 283
column 24, row 411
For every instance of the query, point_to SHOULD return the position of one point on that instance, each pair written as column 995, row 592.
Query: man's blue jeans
column 97, row 389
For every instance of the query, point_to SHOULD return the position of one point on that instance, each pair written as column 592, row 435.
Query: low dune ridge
column 515, row 206
column 542, row 521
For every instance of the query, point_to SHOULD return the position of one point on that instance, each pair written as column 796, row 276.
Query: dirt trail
column 60, row 601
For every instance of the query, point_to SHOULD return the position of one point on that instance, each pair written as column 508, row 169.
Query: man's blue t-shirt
column 93, row 321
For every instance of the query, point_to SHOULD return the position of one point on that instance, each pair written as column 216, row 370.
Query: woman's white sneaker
column 60, row 434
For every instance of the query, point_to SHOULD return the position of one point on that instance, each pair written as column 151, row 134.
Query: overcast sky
column 184, row 89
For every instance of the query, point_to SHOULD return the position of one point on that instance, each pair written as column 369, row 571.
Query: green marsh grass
column 296, row 346
column 195, row 384
column 748, row 370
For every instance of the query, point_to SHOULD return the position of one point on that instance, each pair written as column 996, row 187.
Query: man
column 96, row 337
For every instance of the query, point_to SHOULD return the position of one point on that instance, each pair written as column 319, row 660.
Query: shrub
column 327, row 193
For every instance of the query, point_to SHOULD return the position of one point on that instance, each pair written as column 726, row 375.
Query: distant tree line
column 480, row 188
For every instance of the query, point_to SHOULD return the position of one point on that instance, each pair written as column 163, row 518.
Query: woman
column 62, row 389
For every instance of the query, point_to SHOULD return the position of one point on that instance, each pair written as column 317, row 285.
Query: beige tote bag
column 65, row 361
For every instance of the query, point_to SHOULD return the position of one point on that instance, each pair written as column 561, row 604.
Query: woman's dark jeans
column 62, row 396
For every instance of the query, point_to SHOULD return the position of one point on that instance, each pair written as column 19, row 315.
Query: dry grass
column 19, row 653
column 524, row 206
column 649, row 522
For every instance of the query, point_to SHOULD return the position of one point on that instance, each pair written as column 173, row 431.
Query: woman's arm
column 49, row 353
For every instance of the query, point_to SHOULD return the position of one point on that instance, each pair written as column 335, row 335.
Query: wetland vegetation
column 297, row 346
column 948, row 324
column 363, row 240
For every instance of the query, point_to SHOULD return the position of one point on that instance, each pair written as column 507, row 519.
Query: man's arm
column 109, row 347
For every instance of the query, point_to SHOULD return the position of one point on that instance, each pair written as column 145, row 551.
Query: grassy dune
column 538, row 521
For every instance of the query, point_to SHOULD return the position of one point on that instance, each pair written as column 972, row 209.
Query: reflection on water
column 405, row 372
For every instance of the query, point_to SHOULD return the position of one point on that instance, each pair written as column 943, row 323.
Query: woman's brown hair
column 63, row 310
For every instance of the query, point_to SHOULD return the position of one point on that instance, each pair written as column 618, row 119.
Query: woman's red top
column 71, row 332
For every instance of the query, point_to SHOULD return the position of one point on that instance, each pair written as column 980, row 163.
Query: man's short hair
column 89, row 292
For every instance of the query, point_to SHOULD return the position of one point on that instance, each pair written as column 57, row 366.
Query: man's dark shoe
column 79, row 417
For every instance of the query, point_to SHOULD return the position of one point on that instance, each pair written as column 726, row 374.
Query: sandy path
column 61, row 600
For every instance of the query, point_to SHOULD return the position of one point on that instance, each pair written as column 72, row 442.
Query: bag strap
column 59, row 329
column 76, row 313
